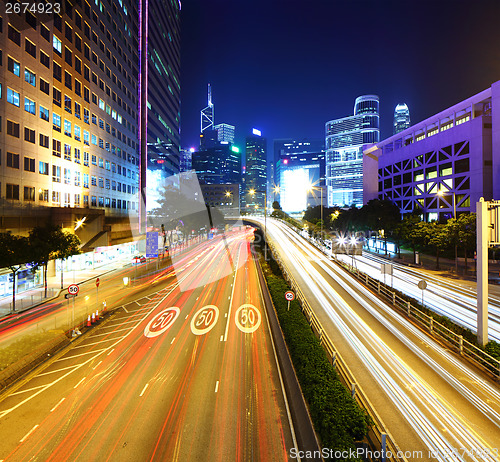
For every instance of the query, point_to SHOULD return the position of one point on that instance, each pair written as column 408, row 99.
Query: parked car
column 138, row 259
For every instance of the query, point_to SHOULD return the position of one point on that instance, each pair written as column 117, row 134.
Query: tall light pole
column 252, row 193
column 440, row 193
column 312, row 188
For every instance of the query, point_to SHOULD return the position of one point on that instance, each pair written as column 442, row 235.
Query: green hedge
column 336, row 416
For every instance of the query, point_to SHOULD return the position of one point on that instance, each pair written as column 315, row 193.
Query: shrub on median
column 336, row 416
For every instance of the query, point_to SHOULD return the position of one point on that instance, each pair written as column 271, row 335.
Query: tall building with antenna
column 207, row 114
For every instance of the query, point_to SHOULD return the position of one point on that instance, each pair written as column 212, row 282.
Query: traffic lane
column 257, row 417
column 454, row 397
column 88, row 419
column 72, row 357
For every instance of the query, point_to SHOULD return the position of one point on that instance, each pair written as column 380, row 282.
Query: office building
column 401, row 118
column 69, row 135
column 345, row 140
column 186, row 160
column 72, row 109
column 220, row 164
column 225, row 197
column 301, row 181
column 161, row 101
column 456, row 151
column 225, row 133
column 256, row 171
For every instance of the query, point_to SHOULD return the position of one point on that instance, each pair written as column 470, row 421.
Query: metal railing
column 378, row 437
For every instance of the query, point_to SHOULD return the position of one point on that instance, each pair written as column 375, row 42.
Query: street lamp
column 440, row 193
column 252, row 193
column 313, row 188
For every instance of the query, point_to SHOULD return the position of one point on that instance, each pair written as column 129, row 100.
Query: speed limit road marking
column 204, row 319
column 247, row 318
column 161, row 322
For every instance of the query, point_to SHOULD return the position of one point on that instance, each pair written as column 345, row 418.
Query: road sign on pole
column 289, row 296
column 97, row 282
column 73, row 289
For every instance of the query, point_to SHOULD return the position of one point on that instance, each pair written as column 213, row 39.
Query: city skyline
column 302, row 78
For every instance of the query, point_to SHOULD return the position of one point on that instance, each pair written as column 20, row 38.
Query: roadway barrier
column 378, row 436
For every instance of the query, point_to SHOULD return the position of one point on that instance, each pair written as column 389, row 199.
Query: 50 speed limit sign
column 73, row 289
column 289, row 295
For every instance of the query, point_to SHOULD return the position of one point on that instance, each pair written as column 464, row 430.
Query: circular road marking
column 247, row 318
column 161, row 322
column 204, row 319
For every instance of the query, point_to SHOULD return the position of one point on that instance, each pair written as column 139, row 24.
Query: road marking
column 29, row 433
column 57, row 370
column 54, row 408
column 144, row 389
column 95, row 367
column 110, row 352
column 126, row 311
column 172, row 341
column 95, row 343
column 81, row 354
column 221, row 338
column 25, row 391
column 216, row 386
column 188, row 314
column 225, row 315
column 79, row 382
column 231, row 298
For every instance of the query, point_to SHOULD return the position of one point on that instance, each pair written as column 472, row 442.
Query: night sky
column 288, row 66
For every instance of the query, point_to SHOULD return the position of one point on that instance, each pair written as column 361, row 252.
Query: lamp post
column 252, row 193
column 440, row 193
column 312, row 188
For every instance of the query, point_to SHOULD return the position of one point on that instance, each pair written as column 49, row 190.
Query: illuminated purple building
column 456, row 152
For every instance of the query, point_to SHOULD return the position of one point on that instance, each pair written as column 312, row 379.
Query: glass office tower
column 345, row 140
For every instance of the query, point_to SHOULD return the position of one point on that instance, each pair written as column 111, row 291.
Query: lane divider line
column 55, row 407
column 172, row 341
column 144, row 389
column 29, row 433
column 216, row 386
column 79, row 382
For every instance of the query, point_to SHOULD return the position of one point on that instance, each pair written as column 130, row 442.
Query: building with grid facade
column 456, row 151
column 255, row 172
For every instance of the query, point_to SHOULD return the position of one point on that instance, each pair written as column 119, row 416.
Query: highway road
column 435, row 406
column 454, row 299
column 173, row 375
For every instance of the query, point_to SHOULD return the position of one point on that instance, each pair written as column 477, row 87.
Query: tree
column 69, row 245
column 276, row 205
column 14, row 252
column 49, row 242
column 436, row 236
column 467, row 234
column 411, row 231
column 380, row 215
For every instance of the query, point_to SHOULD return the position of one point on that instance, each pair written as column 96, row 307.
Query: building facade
column 69, row 135
column 225, row 197
column 163, row 95
column 225, row 133
column 456, row 151
column 255, row 172
column 220, row 164
column 401, row 118
column 344, row 142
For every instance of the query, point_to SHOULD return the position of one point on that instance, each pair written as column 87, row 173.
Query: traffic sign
column 70, row 295
column 97, row 282
column 73, row 289
column 422, row 285
column 289, row 295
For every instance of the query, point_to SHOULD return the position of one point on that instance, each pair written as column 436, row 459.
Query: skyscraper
column 401, row 118
column 163, row 95
column 225, row 132
column 256, row 171
column 345, row 139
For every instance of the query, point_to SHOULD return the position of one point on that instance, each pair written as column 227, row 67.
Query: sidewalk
column 33, row 297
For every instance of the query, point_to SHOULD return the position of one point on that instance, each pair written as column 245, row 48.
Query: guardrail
column 427, row 322
column 378, row 437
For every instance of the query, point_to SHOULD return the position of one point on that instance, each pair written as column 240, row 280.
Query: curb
column 307, row 440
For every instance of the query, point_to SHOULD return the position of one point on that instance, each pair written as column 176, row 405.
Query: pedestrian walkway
column 33, row 297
